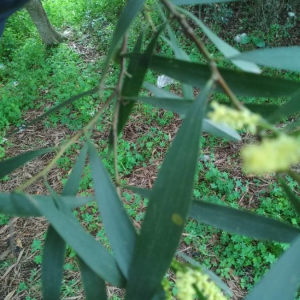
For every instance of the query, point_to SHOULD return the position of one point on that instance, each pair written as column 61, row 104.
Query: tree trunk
column 39, row 17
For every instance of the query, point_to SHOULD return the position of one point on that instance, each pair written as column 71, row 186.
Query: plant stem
column 117, row 110
column 201, row 47
column 64, row 147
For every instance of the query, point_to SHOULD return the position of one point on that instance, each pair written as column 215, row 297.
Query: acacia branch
column 188, row 30
column 64, row 147
column 117, row 108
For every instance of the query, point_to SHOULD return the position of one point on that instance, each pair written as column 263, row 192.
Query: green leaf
column 295, row 201
column 26, row 209
column 211, row 274
column 180, row 54
column 127, row 16
column 191, row 2
column 57, row 107
column 220, row 130
column 72, row 185
column 283, row 58
column 94, row 286
column 245, row 40
column 9, row 165
column 260, row 43
column 161, row 93
column 187, row 90
column 52, row 264
column 181, row 107
column 223, row 47
column 282, row 281
column 235, row 221
column 132, row 85
column 242, row 83
column 87, row 248
column 129, row 84
column 117, row 224
column 145, row 193
column 54, row 248
column 243, row 222
column 178, row 105
column 288, row 109
column 168, row 206
column 265, row 110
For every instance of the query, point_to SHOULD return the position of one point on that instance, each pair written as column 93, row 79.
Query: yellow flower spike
column 271, row 155
column 187, row 280
column 234, row 118
column 184, row 282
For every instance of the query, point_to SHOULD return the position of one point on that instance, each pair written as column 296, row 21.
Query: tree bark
column 39, row 17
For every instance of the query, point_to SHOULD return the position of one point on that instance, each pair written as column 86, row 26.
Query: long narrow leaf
column 132, row 85
column 9, row 165
column 236, row 221
column 243, row 223
column 283, row 58
column 130, row 11
column 178, row 105
column 265, row 110
column 129, row 84
column 282, row 281
column 223, row 47
column 87, row 248
column 222, row 285
column 94, row 286
column 242, row 83
column 161, row 93
column 118, row 226
column 168, row 206
column 170, row 101
column 52, row 265
column 187, row 90
column 220, row 130
column 72, row 185
column 295, row 201
column 26, row 209
column 288, row 109
column 54, row 248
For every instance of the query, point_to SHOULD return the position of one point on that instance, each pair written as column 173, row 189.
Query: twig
column 149, row 18
column 117, row 110
column 64, row 147
column 201, row 47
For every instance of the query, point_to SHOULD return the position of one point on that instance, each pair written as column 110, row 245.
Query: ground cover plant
column 141, row 149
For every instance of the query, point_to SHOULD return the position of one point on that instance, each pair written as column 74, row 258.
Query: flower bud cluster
column 236, row 119
column 271, row 155
column 190, row 280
